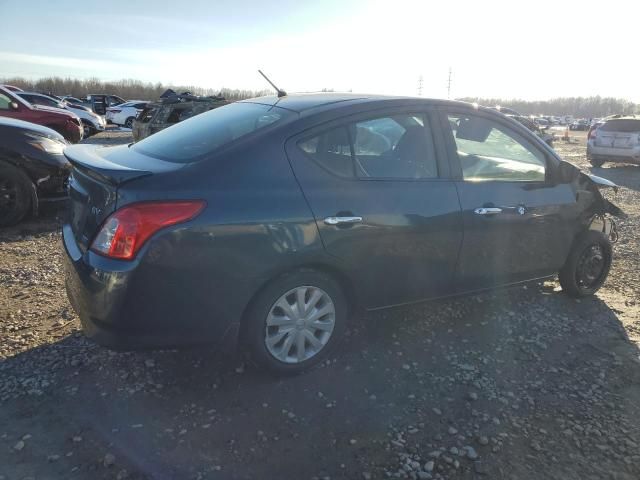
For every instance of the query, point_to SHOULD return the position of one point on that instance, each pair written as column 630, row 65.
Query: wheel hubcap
column 590, row 266
column 299, row 324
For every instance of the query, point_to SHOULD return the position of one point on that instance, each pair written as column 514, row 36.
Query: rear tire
column 596, row 162
column 587, row 266
column 286, row 342
column 15, row 195
column 129, row 122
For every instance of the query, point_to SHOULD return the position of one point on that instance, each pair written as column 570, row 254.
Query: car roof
column 302, row 102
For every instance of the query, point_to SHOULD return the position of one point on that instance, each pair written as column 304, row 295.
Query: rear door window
column 396, row 146
column 332, row 150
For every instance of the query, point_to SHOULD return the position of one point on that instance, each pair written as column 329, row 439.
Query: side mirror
column 14, row 105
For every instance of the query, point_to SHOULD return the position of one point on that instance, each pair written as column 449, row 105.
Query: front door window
column 489, row 151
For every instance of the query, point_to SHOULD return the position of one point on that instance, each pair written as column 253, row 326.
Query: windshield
column 192, row 139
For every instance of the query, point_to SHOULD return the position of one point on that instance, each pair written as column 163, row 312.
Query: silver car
column 616, row 140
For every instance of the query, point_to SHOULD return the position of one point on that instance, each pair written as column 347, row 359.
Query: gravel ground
column 523, row 383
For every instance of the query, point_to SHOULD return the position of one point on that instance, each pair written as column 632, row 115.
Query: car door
column 384, row 204
column 518, row 222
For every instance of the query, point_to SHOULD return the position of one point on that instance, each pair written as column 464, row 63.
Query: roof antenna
column 281, row 93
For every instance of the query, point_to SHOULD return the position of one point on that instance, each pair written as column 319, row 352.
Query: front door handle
column 487, row 210
column 342, row 220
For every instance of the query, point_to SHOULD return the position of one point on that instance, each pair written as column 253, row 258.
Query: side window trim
column 430, row 114
column 452, row 150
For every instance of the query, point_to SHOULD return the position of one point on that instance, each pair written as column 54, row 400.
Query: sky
column 500, row 49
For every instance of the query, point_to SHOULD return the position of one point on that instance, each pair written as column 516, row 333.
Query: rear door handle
column 342, row 220
column 487, row 210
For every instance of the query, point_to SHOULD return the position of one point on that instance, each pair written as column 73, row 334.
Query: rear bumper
column 626, row 155
column 120, row 306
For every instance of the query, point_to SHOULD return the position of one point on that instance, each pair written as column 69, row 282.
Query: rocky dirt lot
column 523, row 383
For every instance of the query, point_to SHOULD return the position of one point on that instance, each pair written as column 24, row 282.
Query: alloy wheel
column 299, row 324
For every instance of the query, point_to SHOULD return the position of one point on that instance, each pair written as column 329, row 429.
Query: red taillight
column 592, row 133
column 125, row 231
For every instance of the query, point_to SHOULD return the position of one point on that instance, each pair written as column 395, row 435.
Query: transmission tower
column 449, row 85
column 420, row 80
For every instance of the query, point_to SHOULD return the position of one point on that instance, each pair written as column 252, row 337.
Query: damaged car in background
column 268, row 222
column 32, row 168
column 172, row 108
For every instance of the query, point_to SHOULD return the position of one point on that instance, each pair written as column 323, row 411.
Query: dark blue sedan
column 270, row 220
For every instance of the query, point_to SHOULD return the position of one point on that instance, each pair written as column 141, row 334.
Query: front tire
column 295, row 322
column 587, row 266
column 89, row 130
column 15, row 195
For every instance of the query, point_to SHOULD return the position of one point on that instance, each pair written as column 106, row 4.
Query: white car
column 616, row 140
column 91, row 122
column 125, row 113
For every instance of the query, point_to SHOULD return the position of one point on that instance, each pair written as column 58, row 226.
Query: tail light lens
column 126, row 230
column 592, row 133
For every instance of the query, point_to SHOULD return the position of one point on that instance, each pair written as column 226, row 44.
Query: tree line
column 127, row 88
column 578, row 107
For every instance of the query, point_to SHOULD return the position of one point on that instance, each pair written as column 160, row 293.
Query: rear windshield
column 622, row 125
column 198, row 136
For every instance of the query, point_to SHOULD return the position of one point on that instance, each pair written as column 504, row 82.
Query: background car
column 172, row 108
column 32, row 168
column 91, row 122
column 580, row 125
column 72, row 100
column 541, row 121
column 99, row 102
column 616, row 140
column 125, row 113
column 64, row 122
column 542, row 132
column 271, row 219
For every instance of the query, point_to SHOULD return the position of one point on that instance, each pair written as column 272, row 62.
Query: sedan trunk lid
column 98, row 173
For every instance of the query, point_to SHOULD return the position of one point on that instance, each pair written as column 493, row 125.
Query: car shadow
column 179, row 413
column 627, row 176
